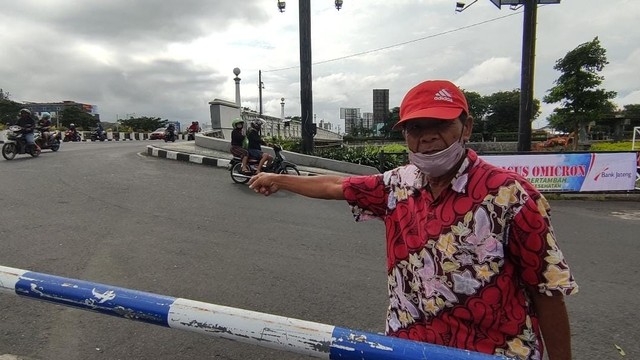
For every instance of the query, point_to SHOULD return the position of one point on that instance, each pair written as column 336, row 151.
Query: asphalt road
column 104, row 212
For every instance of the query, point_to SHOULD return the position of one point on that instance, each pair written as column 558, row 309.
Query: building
column 380, row 106
column 367, row 120
column 351, row 118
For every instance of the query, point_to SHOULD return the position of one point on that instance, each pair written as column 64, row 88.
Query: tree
column 503, row 109
column 577, row 89
column 74, row 115
column 9, row 111
column 477, row 105
column 386, row 130
column 144, row 123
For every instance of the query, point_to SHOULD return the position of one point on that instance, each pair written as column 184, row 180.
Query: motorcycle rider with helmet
column 43, row 125
column 255, row 142
column 74, row 133
column 237, row 143
column 27, row 123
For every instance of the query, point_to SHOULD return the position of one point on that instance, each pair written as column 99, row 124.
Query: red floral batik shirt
column 458, row 265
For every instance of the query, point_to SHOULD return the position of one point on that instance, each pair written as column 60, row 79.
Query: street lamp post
column 282, row 115
column 306, row 98
column 527, row 67
column 260, row 87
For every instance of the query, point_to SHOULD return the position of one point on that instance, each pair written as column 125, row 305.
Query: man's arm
column 554, row 323
column 319, row 187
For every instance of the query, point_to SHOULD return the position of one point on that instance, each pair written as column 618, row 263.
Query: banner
column 572, row 172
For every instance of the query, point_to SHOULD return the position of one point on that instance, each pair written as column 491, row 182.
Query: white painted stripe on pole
column 172, row 155
column 276, row 332
column 8, row 278
column 196, row 159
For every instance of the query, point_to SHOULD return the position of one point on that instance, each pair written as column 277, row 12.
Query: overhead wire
column 400, row 44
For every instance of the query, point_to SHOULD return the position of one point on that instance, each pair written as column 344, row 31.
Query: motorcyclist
column 237, row 143
column 43, row 125
column 171, row 130
column 255, row 142
column 99, row 131
column 27, row 123
column 74, row 132
column 193, row 127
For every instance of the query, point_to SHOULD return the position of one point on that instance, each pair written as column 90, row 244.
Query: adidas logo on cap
column 443, row 95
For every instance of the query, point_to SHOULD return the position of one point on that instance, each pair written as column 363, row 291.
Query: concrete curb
column 197, row 159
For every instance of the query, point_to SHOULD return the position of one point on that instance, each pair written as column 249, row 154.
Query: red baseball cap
column 434, row 99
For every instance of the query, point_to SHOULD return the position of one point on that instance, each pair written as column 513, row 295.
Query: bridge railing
column 267, row 330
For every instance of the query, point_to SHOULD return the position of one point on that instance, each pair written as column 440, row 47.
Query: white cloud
column 170, row 58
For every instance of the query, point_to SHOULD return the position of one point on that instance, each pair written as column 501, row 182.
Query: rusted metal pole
column 267, row 330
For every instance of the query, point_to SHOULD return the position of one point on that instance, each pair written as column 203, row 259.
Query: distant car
column 158, row 134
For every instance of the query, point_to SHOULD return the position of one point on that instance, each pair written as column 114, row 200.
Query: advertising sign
column 573, row 172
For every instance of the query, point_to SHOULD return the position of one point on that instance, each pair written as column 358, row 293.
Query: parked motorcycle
column 98, row 135
column 279, row 165
column 15, row 143
column 71, row 135
column 170, row 135
column 53, row 142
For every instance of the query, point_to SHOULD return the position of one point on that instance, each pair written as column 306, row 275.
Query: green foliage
column 387, row 131
column 478, row 106
column 289, row 144
column 394, row 155
column 577, row 89
column 9, row 111
column 144, row 123
column 612, row 146
column 503, row 111
column 74, row 115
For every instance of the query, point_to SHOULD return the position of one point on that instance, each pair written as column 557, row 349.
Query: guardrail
column 266, row 330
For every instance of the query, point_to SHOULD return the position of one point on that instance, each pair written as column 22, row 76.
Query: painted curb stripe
column 182, row 157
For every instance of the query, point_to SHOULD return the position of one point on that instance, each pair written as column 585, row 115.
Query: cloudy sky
column 170, row 58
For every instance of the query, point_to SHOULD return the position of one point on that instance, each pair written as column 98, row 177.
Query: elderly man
column 472, row 259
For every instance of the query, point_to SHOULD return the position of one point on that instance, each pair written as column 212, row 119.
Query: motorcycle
column 279, row 165
column 98, row 135
column 191, row 135
column 170, row 135
column 53, row 142
column 71, row 135
column 15, row 143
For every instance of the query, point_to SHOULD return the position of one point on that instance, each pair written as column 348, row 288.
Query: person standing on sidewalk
column 472, row 259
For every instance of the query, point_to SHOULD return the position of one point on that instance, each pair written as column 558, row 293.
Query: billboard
column 573, row 172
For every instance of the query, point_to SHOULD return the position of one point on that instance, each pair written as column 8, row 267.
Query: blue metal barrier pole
column 272, row 331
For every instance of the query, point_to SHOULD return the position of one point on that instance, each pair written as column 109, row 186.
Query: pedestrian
column 472, row 259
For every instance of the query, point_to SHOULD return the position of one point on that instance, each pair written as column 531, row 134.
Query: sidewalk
column 188, row 151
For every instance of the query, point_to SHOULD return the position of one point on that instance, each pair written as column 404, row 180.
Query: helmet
column 72, row 125
column 25, row 111
column 236, row 121
column 45, row 115
column 257, row 123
